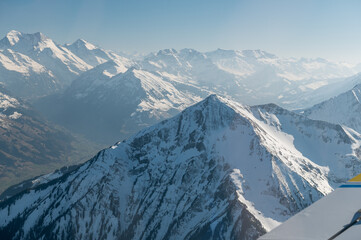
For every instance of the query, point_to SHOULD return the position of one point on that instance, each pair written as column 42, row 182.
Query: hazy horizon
column 326, row 29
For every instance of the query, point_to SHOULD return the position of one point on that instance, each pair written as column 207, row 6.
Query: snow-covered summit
column 241, row 75
column 343, row 109
column 25, row 42
column 24, row 76
column 14, row 37
column 81, row 43
column 43, row 67
column 62, row 64
column 11, row 38
column 94, row 55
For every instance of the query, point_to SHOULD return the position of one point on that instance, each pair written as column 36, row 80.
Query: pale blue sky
column 309, row 28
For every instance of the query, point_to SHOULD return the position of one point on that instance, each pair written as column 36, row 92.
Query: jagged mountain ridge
column 63, row 63
column 94, row 55
column 253, row 76
column 33, row 65
column 249, row 76
column 218, row 170
column 343, row 109
column 24, row 76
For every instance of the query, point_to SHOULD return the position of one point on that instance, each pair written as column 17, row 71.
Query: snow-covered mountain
column 63, row 64
column 343, row 109
column 33, row 65
column 106, row 103
column 24, row 76
column 218, row 170
column 246, row 62
column 94, row 55
column 253, row 76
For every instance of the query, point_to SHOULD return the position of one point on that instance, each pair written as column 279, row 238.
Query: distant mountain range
column 254, row 76
column 107, row 97
column 217, row 170
column 33, row 65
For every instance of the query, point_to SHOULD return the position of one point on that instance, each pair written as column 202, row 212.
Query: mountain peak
column 81, row 43
column 13, row 37
column 225, row 53
column 258, row 54
column 168, row 51
column 213, row 98
column 189, row 53
column 252, row 54
column 213, row 112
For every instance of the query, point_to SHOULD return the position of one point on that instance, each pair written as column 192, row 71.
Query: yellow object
column 356, row 179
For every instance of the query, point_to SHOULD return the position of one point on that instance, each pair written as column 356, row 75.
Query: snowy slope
column 106, row 104
column 289, row 82
column 194, row 68
column 60, row 61
column 218, row 170
column 94, row 55
column 292, row 69
column 33, row 65
column 248, row 76
column 24, row 76
column 253, row 76
column 343, row 109
column 317, row 140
